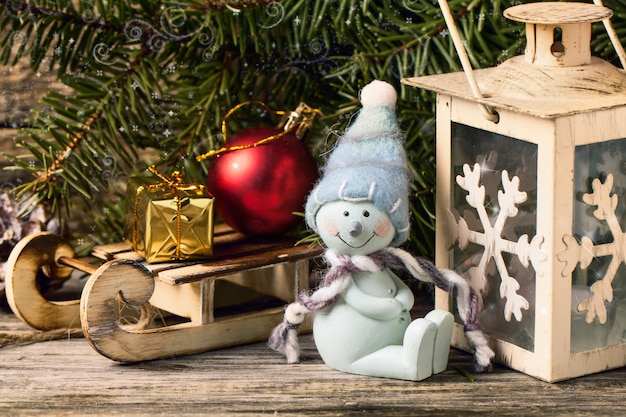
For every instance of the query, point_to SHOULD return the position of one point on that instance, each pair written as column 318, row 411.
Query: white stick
column 613, row 36
column 488, row 112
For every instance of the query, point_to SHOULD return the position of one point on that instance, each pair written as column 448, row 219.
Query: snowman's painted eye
column 366, row 213
column 346, row 213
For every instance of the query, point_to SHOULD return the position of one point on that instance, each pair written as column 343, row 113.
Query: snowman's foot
column 418, row 348
column 444, row 322
column 424, row 352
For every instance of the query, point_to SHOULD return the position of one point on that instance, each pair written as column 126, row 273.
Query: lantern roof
column 557, row 76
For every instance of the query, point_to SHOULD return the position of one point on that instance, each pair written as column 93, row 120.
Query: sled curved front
column 114, row 282
column 121, row 282
column 33, row 261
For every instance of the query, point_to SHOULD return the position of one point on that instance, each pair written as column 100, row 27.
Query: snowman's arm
column 404, row 295
column 378, row 308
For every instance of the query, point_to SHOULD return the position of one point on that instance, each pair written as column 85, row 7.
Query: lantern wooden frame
column 568, row 101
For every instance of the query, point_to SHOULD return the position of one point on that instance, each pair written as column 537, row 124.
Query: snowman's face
column 354, row 228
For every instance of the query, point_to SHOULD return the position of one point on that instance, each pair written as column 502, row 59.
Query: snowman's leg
column 418, row 347
column 445, row 322
column 412, row 361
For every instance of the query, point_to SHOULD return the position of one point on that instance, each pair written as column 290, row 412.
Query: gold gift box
column 167, row 219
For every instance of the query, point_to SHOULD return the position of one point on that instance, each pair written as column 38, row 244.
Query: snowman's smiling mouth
column 356, row 247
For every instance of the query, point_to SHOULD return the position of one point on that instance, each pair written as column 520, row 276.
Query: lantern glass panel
column 599, row 320
column 490, row 257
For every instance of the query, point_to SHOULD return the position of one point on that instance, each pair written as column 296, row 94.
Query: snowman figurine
column 360, row 210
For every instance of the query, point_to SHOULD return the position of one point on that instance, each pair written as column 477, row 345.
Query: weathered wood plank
column 22, row 89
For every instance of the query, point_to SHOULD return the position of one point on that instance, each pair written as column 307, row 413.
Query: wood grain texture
column 20, row 91
column 68, row 378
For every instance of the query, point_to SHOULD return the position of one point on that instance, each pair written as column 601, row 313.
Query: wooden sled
column 130, row 310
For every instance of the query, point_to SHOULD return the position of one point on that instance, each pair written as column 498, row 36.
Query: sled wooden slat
column 229, row 266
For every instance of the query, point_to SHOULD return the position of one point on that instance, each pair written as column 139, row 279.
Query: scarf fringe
column 284, row 337
column 468, row 302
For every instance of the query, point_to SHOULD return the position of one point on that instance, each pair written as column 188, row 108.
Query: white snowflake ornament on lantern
column 491, row 239
column 587, row 250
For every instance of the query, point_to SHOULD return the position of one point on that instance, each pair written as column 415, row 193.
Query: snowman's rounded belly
column 343, row 335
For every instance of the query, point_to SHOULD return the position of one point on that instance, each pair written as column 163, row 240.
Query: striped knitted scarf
column 284, row 337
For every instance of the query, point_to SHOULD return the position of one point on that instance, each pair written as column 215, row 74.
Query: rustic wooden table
column 67, row 377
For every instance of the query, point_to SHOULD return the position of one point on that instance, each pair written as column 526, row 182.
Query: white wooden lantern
column 531, row 203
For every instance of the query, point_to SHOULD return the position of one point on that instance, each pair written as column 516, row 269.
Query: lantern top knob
column 553, row 13
column 558, row 33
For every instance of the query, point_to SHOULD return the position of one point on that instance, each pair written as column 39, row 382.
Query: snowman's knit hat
column 369, row 163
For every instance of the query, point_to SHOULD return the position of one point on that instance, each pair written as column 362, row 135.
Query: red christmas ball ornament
column 258, row 188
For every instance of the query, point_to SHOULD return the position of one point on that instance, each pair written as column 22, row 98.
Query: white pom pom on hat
column 378, row 93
